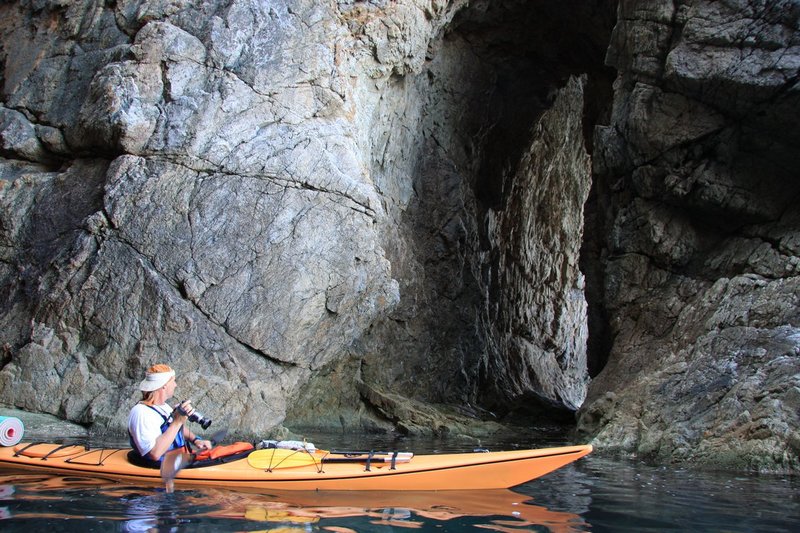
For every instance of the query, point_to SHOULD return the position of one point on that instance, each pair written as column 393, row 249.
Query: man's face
column 170, row 387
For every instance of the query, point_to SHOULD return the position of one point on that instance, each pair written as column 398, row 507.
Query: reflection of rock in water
column 6, row 491
column 151, row 512
column 568, row 489
column 392, row 513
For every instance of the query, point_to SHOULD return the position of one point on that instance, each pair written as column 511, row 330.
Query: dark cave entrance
column 532, row 49
column 498, row 67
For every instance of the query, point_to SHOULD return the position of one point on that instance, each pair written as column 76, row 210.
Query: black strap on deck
column 54, row 450
column 18, row 453
column 369, row 460
column 394, row 461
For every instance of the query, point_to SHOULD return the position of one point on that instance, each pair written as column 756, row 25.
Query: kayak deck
column 457, row 471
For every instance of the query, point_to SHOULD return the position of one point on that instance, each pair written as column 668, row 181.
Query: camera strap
column 179, row 441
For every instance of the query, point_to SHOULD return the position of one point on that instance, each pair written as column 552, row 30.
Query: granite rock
column 287, row 202
column 699, row 219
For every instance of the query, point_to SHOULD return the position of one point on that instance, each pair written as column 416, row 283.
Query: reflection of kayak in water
column 393, row 506
column 277, row 469
column 503, row 509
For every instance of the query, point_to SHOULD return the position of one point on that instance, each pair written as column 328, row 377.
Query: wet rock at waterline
column 342, row 214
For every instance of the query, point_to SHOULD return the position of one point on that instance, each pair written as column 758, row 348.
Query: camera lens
column 200, row 419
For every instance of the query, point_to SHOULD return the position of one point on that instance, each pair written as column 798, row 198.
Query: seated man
column 153, row 426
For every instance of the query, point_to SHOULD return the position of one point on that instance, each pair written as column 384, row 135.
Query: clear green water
column 594, row 494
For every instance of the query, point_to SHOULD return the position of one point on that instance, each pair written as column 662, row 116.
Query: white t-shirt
column 145, row 425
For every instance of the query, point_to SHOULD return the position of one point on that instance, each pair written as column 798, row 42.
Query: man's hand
column 182, row 411
column 203, row 444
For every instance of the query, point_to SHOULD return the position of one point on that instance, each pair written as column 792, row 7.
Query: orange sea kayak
column 310, row 471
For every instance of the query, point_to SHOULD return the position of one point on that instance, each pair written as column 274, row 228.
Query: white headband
column 155, row 380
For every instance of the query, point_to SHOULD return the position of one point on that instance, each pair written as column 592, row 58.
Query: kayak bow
column 458, row 471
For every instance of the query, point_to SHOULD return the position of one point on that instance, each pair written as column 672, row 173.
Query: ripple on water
column 618, row 495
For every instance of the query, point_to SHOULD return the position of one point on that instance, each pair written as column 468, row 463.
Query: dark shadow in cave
column 533, row 47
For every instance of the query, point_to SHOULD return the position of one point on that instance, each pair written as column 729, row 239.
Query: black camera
column 196, row 417
column 200, row 419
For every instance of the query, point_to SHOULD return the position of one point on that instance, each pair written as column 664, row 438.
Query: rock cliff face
column 695, row 218
column 341, row 214
column 337, row 212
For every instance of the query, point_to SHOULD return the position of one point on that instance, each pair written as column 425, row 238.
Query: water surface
column 594, row 494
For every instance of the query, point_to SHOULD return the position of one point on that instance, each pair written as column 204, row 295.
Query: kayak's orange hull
column 461, row 471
